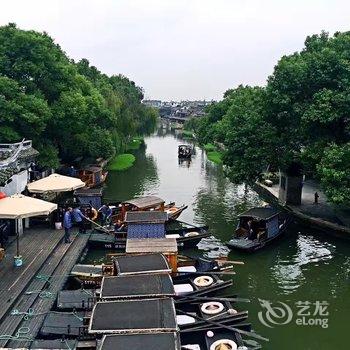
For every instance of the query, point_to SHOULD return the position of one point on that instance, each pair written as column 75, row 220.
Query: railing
column 13, row 147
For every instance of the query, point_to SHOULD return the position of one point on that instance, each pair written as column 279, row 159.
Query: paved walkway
column 322, row 213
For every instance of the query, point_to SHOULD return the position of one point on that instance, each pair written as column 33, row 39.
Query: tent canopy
column 55, row 183
column 19, row 207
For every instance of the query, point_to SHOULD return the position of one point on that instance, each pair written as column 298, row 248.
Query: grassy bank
column 213, row 154
column 134, row 144
column 186, row 134
column 122, row 162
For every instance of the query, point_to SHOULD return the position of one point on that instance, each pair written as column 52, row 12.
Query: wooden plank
column 42, row 305
column 36, row 245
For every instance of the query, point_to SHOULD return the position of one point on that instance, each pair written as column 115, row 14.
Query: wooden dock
column 35, row 285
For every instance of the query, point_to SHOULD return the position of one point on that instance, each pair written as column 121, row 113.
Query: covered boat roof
column 262, row 213
column 159, row 341
column 133, row 316
column 142, row 217
column 88, row 192
column 138, row 286
column 145, row 202
column 92, row 168
column 139, row 264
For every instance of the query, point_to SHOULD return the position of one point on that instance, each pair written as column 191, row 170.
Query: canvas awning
column 19, row 206
column 55, row 183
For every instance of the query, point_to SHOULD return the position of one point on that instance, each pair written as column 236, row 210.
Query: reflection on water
column 299, row 267
column 288, row 271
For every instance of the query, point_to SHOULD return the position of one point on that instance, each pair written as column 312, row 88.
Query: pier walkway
column 323, row 215
column 33, row 287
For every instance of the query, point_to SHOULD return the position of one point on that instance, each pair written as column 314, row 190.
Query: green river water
column 304, row 266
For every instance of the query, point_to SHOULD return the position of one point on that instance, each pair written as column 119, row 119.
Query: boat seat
column 184, row 319
column 186, row 269
column 183, row 288
column 173, row 235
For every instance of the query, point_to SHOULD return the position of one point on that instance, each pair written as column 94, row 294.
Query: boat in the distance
column 93, row 175
column 185, row 151
column 258, row 227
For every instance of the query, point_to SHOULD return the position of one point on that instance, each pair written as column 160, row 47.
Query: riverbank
column 322, row 216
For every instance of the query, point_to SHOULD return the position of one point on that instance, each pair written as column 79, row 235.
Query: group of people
column 72, row 216
column 76, row 216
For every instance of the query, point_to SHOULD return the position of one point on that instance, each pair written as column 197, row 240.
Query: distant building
column 16, row 162
column 152, row 103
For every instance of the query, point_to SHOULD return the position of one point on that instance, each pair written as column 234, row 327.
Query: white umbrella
column 55, row 183
column 19, row 206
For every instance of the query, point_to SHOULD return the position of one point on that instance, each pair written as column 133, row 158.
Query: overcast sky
column 181, row 49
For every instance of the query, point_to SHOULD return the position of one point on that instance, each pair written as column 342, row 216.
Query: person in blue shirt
column 67, row 224
column 106, row 213
column 79, row 219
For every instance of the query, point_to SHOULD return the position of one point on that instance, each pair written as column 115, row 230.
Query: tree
column 68, row 109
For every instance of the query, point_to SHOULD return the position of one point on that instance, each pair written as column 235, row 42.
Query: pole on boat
column 195, row 300
column 230, row 328
column 95, row 223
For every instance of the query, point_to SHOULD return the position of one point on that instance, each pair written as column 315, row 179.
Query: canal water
column 302, row 279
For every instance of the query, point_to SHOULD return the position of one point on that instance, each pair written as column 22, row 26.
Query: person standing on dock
column 67, row 224
column 79, row 219
column 106, row 213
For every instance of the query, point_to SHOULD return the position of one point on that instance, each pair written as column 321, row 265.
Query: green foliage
column 209, row 147
column 135, row 144
column 334, row 172
column 302, row 116
column 215, row 156
column 122, row 162
column 71, row 108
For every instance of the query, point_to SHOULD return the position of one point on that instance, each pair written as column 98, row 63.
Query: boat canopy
column 140, row 264
column 133, row 316
column 92, row 169
column 145, row 202
column 146, row 217
column 260, row 213
column 139, row 286
column 159, row 341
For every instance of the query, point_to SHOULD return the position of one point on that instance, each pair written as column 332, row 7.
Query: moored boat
column 258, row 227
column 93, row 176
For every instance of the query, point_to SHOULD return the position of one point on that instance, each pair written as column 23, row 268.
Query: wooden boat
column 185, row 151
column 58, row 324
column 133, row 316
column 197, row 314
column 147, row 203
column 63, row 344
column 93, row 176
column 187, row 236
column 91, row 275
column 152, row 341
column 174, row 211
column 215, row 339
column 258, row 227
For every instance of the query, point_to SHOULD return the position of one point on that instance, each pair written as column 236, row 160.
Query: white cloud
column 180, row 49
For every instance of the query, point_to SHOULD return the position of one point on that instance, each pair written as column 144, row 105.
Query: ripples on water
column 290, row 269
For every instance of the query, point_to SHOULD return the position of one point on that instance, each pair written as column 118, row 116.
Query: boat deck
column 27, row 287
